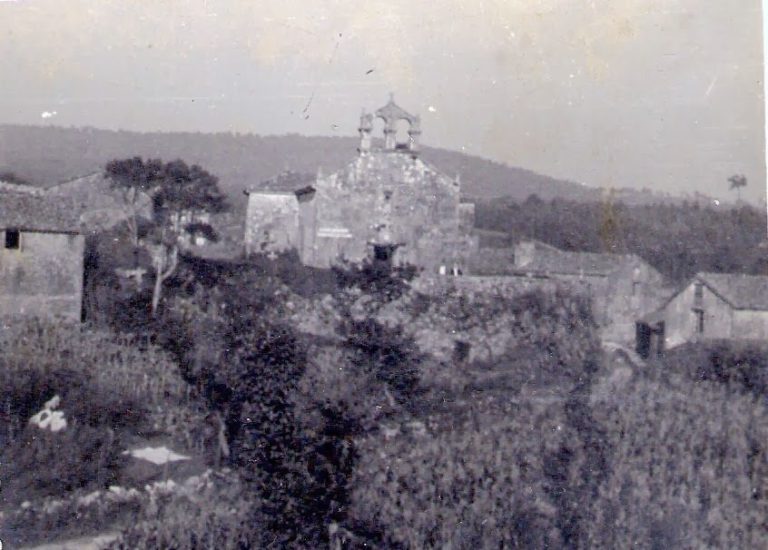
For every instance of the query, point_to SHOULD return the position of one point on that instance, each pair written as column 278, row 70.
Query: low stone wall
column 506, row 284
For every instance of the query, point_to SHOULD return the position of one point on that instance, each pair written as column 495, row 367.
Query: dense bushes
column 355, row 436
column 542, row 337
column 662, row 462
column 741, row 366
column 218, row 514
column 689, row 467
column 482, row 484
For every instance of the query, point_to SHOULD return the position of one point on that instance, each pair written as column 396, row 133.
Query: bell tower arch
column 392, row 114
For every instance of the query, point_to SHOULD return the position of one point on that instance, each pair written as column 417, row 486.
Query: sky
column 663, row 94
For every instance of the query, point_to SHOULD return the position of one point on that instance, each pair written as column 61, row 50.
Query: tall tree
column 134, row 180
column 179, row 195
column 738, row 181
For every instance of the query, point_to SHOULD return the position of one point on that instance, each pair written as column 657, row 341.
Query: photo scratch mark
column 711, row 87
column 305, row 111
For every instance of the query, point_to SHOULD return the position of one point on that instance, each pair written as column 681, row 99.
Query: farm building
column 41, row 259
column 623, row 287
column 711, row 306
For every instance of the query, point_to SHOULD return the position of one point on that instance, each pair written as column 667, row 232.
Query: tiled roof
column 492, row 261
column 741, row 291
column 285, row 182
column 38, row 213
column 575, row 262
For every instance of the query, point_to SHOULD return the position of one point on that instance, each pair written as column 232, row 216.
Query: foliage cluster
column 218, row 515
column 665, row 461
column 531, row 336
column 741, row 366
column 688, row 469
column 336, row 444
column 479, row 484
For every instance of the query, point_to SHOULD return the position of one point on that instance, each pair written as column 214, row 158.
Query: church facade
column 386, row 203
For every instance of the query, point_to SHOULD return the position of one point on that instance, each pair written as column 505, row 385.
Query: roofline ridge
column 75, row 178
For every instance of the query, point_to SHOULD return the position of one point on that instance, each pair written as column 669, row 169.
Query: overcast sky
column 659, row 93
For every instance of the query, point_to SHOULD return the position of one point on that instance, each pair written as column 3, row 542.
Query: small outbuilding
column 623, row 287
column 41, row 257
column 711, row 306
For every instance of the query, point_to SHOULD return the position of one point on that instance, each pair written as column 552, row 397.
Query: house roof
column 492, row 261
column 736, row 289
column 563, row 262
column 739, row 290
column 38, row 213
column 284, row 182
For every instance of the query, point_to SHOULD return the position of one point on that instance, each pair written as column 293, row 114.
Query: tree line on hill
column 46, row 155
column 677, row 239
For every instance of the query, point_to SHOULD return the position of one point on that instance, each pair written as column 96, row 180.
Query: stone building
column 41, row 259
column 387, row 202
column 623, row 287
column 711, row 306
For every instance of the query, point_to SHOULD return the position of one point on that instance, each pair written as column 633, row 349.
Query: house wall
column 631, row 292
column 680, row 320
column 384, row 196
column 750, row 324
column 44, row 277
column 272, row 222
column 307, row 227
column 619, row 297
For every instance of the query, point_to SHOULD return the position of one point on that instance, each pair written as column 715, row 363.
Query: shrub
column 741, row 366
column 220, row 516
column 689, row 467
column 480, row 484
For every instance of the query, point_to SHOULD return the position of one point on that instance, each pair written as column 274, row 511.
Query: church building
column 386, row 203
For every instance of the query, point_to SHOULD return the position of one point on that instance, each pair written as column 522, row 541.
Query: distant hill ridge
column 49, row 154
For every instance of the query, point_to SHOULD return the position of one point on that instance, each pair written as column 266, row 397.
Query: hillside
column 46, row 155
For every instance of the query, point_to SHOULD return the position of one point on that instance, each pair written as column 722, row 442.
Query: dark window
column 698, row 291
column 699, row 320
column 12, row 239
column 635, row 287
column 461, row 351
column 382, row 253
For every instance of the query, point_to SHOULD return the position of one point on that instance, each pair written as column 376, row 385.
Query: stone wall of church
column 272, row 222
column 385, row 196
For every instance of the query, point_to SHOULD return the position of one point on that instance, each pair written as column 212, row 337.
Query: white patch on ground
column 156, row 455
column 49, row 419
